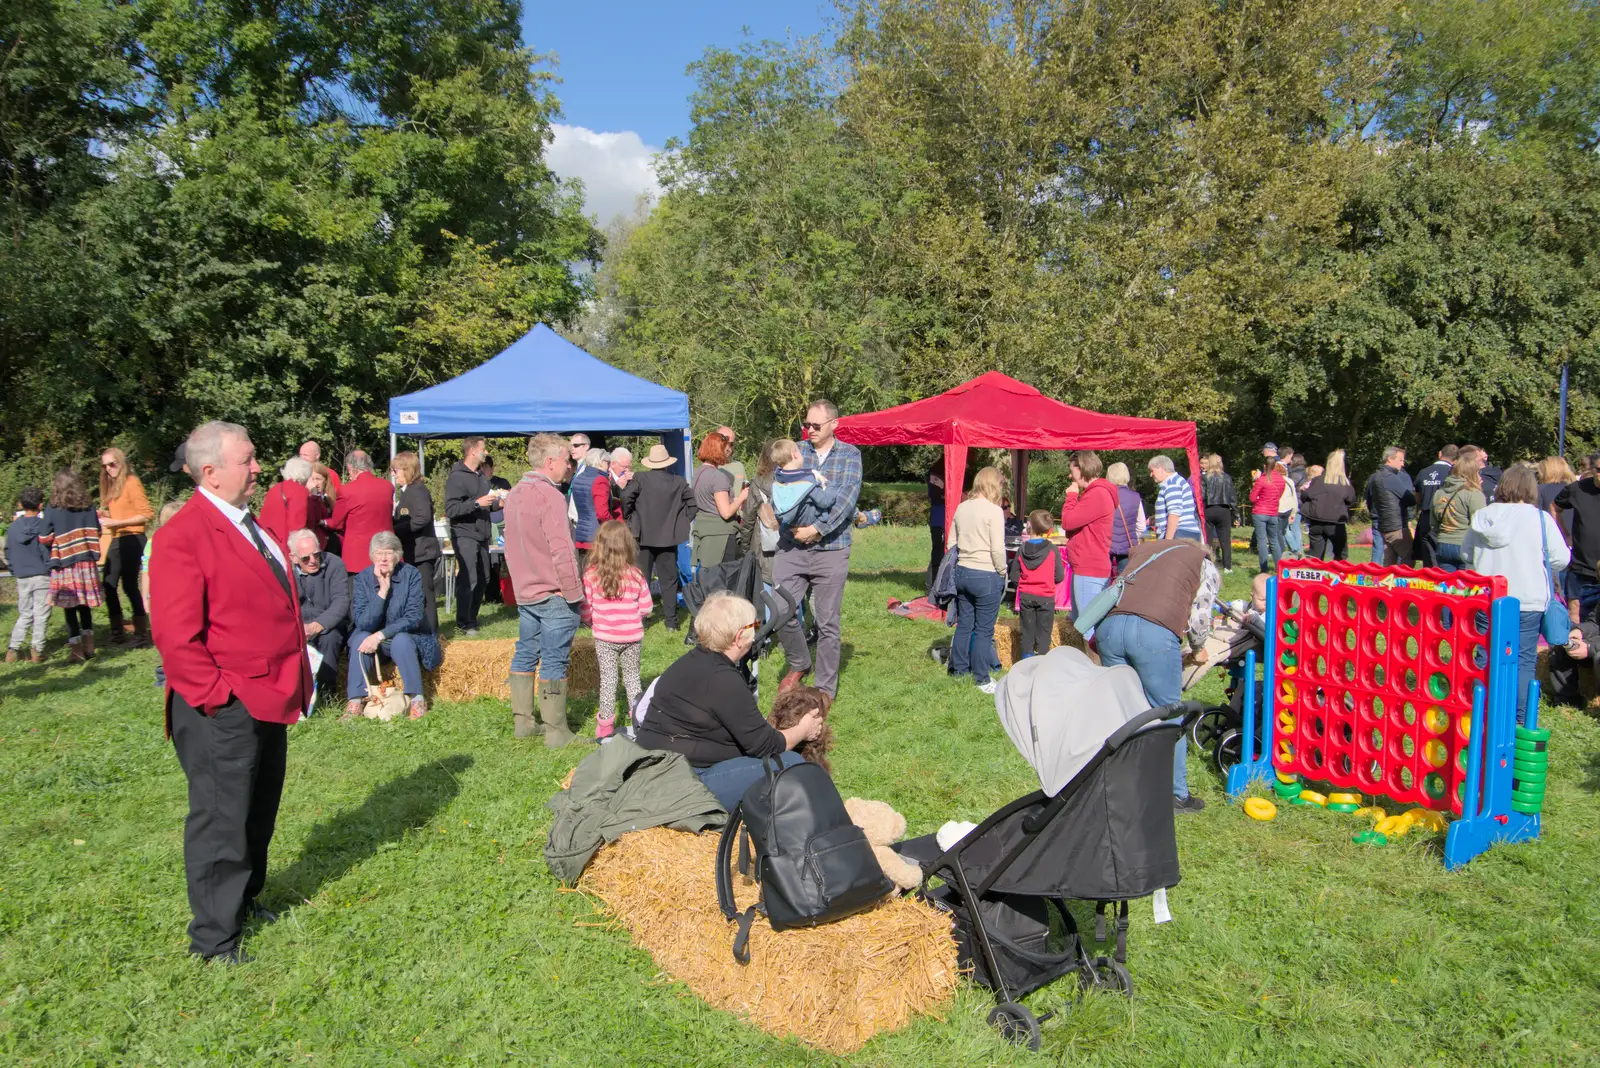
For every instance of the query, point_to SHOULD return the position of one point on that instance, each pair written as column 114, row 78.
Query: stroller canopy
column 1060, row 708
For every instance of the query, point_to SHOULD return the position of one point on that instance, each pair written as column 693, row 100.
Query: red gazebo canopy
column 995, row 411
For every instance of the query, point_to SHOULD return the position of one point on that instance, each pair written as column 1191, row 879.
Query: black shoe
column 671, row 624
column 236, row 955
column 257, row 912
column 1187, row 804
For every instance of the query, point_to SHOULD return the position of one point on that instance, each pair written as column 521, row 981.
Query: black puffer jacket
column 413, row 523
column 1324, row 502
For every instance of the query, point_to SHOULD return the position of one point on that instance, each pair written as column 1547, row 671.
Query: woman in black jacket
column 1216, row 489
column 658, row 507
column 702, row 706
column 413, row 523
column 1326, row 502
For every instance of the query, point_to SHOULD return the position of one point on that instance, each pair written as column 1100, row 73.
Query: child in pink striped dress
column 619, row 598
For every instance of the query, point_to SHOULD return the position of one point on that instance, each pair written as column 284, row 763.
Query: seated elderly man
column 387, row 617
column 703, row 707
column 324, row 588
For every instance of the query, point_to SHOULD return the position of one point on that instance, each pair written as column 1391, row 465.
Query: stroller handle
column 1184, row 710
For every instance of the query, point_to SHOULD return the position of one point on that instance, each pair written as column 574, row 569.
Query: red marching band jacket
column 222, row 622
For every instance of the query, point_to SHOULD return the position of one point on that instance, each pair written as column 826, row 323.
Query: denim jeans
column 1452, row 557
column 1084, row 589
column 401, row 649
column 1269, row 539
column 1527, row 659
column 978, row 596
column 1289, row 534
column 1153, row 651
column 1585, row 589
column 544, row 638
column 729, row 779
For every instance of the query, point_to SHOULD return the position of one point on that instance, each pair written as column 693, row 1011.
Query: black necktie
column 266, row 553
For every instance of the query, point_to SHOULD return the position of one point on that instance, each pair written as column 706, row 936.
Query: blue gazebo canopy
column 543, row 382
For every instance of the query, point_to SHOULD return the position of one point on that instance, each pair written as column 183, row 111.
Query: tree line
column 1343, row 224
column 1340, row 224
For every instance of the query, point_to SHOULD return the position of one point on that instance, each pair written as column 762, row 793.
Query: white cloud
column 614, row 167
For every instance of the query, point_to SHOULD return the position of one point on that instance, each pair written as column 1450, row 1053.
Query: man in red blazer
column 226, row 619
column 365, row 507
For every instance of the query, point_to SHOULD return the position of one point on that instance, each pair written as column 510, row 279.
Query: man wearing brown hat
column 658, row 506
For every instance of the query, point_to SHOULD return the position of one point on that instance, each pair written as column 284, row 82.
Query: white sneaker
column 987, row 688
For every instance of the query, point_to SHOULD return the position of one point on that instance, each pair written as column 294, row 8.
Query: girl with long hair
column 618, row 595
column 124, row 513
column 71, row 529
column 1455, row 502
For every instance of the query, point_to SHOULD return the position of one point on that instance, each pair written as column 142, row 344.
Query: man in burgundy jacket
column 544, row 573
column 364, row 508
column 226, row 619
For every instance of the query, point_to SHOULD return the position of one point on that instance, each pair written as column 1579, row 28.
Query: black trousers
column 235, row 769
column 935, row 553
column 430, row 598
column 1328, row 536
column 472, row 579
column 1038, row 614
column 1219, row 529
column 663, row 560
column 1425, row 545
column 330, row 643
column 123, row 561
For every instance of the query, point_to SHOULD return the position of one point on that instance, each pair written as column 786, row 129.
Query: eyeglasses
column 817, row 426
column 747, row 626
column 307, row 559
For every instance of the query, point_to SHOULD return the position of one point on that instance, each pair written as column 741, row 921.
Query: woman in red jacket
column 289, row 506
column 1086, row 518
column 1265, row 493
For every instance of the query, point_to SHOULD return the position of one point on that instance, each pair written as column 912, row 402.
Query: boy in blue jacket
column 30, row 563
column 800, row 496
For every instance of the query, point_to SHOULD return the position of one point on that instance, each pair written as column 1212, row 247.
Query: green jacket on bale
column 622, row 787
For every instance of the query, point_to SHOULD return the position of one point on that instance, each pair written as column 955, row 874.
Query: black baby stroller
column 1106, row 836
column 1219, row 730
column 742, row 577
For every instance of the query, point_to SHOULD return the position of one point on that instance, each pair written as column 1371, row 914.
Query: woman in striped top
column 72, row 531
column 618, row 596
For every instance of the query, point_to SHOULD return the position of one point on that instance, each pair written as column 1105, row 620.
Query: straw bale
column 479, row 668
column 1008, row 638
column 833, row 987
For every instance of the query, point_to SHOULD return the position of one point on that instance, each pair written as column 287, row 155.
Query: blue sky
column 623, row 89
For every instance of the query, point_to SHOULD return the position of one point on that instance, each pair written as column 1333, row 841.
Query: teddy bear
column 883, row 825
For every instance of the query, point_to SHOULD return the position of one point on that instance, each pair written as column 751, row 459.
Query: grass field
column 420, row 926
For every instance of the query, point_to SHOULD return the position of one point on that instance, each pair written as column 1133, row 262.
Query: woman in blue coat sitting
column 387, row 615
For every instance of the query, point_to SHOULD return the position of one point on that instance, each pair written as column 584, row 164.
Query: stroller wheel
column 1207, row 728
column 1230, row 750
column 1015, row 1024
column 1104, row 973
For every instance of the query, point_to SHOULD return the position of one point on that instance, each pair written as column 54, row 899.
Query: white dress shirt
column 236, row 516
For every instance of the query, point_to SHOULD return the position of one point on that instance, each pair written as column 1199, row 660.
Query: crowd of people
column 254, row 612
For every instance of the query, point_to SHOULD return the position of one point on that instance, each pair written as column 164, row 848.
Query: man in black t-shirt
column 1582, row 499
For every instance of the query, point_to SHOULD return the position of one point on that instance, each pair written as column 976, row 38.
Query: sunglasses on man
column 816, row 426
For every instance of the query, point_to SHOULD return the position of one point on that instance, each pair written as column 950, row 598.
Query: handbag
column 1104, row 601
column 1556, row 626
column 384, row 701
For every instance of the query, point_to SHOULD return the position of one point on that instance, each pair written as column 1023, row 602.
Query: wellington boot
column 522, row 711
column 75, row 652
column 141, row 631
column 87, row 645
column 553, row 710
column 118, row 631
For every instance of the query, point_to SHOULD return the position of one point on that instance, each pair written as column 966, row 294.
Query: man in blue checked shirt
column 816, row 558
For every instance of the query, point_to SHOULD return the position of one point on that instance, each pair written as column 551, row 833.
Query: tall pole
column 1561, row 434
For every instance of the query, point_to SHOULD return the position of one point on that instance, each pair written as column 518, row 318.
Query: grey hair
column 300, row 535
column 621, row 453
column 542, row 447
column 826, row 405
column 205, row 444
column 596, row 458
column 1163, row 462
column 297, row 469
column 358, row 461
column 1391, row 451
column 384, row 539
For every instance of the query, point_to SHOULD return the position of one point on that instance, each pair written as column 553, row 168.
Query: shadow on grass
column 57, row 676
column 350, row 837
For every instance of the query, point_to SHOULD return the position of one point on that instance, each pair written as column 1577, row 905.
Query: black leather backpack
column 813, row 864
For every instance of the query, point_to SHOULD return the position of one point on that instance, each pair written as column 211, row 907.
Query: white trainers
column 987, row 688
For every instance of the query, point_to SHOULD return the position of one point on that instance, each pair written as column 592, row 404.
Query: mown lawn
column 420, row 925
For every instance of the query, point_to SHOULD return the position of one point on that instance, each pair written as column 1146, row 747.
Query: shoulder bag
column 1556, row 626
column 384, row 701
column 1107, row 599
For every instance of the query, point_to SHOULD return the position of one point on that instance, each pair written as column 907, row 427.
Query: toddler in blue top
column 800, row 495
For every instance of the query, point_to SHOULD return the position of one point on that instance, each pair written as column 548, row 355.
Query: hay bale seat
column 479, row 668
column 833, row 987
column 1008, row 638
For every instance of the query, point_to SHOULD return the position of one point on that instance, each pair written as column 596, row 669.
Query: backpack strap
column 730, row 831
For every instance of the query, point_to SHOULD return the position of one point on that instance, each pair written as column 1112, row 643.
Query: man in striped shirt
column 1175, row 511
